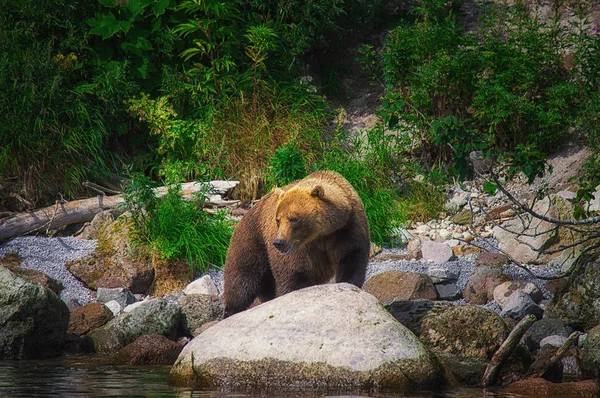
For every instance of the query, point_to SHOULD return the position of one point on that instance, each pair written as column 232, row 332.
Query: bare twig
column 505, row 350
column 100, row 189
column 587, row 221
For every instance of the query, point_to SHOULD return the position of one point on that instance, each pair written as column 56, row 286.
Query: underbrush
column 177, row 228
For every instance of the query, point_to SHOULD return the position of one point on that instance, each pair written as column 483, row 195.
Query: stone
column 414, row 249
column 464, row 330
column 410, row 313
column 487, row 259
column 457, row 199
column 203, row 285
column 553, row 341
column 423, row 229
column 114, row 263
column 149, row 349
column 464, row 217
column 498, row 212
column 518, row 305
column 114, row 307
column 156, row 316
column 374, row 250
column 541, row 235
column 399, row 285
column 133, row 306
column 481, row 284
column 578, row 304
column 94, row 228
column 445, row 234
column 540, row 388
column 594, row 204
column 481, row 164
column 120, row 294
column 199, row 309
column 33, row 320
column 543, row 328
column 542, row 361
column 436, row 252
column 13, row 261
column 569, row 195
column 439, row 275
column 590, row 354
column 306, row 340
column 448, row 290
column 89, row 317
column 504, row 290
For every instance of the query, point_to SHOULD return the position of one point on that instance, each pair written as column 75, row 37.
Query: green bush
column 286, row 165
column 177, row 228
column 505, row 88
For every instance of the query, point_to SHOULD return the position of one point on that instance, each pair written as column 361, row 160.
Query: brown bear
column 309, row 232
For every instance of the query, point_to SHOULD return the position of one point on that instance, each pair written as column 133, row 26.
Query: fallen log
column 83, row 210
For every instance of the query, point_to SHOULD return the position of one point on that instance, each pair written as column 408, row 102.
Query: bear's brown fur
column 310, row 232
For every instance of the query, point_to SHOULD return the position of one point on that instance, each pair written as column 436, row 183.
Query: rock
column 410, row 313
column 114, row 264
column 94, row 228
column 594, row 204
column 504, row 290
column 13, row 261
column 572, row 365
column 414, row 249
column 518, row 305
column 448, row 290
column 498, row 212
column 481, row 284
column 149, row 349
column 481, row 164
column 156, row 316
column 436, row 252
column 77, row 345
column 198, row 309
column 554, row 341
column 423, row 229
column 464, row 330
column 540, row 234
column 120, row 294
column 466, row 371
column 457, row 199
column 114, row 307
column 568, row 195
column 464, row 217
column 554, row 372
column 204, row 285
column 306, row 340
column 590, row 354
column 540, row 388
column 33, row 320
column 374, row 250
column 439, row 275
column 133, row 306
column 579, row 303
column 204, row 327
column 400, row 285
column 545, row 327
column 89, row 317
column 487, row 259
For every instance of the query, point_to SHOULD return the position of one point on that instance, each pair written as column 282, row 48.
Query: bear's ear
column 318, row 192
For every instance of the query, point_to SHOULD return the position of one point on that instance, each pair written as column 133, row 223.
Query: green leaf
column 490, row 188
column 578, row 212
column 159, row 7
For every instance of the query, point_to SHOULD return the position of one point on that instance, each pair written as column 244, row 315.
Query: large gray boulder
column 33, row 320
column 156, row 316
column 326, row 337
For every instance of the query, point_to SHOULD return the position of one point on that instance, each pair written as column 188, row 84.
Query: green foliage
column 177, row 228
column 506, row 88
column 286, row 165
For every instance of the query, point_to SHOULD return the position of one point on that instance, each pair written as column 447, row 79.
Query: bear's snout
column 283, row 246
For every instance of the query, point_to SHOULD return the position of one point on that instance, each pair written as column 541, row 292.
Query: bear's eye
column 293, row 219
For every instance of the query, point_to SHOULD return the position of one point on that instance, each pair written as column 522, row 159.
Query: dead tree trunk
column 83, row 210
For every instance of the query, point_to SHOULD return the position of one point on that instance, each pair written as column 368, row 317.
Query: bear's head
column 303, row 215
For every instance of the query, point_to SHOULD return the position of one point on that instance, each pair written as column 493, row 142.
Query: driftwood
column 557, row 355
column 78, row 211
column 506, row 349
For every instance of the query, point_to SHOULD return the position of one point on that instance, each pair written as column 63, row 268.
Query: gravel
column 49, row 255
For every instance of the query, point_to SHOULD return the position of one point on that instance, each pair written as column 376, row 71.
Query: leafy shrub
column 286, row 165
column 177, row 228
column 505, row 88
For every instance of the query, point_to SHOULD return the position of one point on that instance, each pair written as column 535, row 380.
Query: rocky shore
column 451, row 296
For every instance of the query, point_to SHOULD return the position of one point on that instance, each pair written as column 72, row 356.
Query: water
column 79, row 377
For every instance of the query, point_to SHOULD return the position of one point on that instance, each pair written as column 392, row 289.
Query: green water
column 78, row 377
